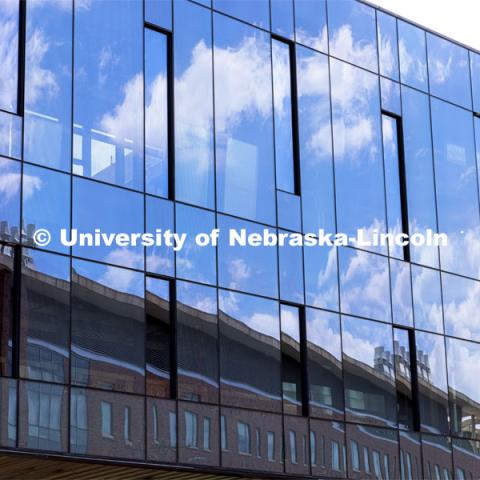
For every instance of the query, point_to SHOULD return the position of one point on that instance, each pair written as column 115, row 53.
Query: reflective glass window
column 256, row 12
column 466, row 458
column 108, row 92
column 156, row 113
column 8, row 416
column 48, row 84
column 158, row 337
column 462, row 360
column 9, row 24
column 46, row 205
column 437, row 456
column 7, row 261
column 369, row 371
column 247, row 268
column 331, row 442
column 352, row 33
column 45, row 317
column 10, row 173
column 311, row 24
column 250, row 372
column 197, row 343
column 194, row 165
column 457, row 187
column 387, row 45
column 290, row 265
column 289, row 211
column 410, row 455
column 364, row 284
column 412, row 53
column 401, row 285
column 10, row 135
column 159, row 12
column 314, row 127
column 390, row 93
column 108, row 325
column 357, row 145
column 161, row 430
column 432, row 382
column 282, row 16
column 448, row 71
column 244, row 128
column 195, row 262
column 111, row 210
column 324, row 364
column 475, row 73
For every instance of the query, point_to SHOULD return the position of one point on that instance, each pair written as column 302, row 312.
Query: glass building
column 274, row 362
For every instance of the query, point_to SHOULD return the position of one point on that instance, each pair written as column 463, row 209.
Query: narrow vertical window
column 244, row 441
column 107, row 425
column 206, row 433
column 191, row 430
column 172, row 425
column 258, row 440
column 156, row 436
column 313, row 448
column 223, row 433
column 127, row 420
column 271, row 446
column 355, row 455
column 395, row 182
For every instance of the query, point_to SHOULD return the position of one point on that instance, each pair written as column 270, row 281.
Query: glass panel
column 457, row 188
column 161, row 430
column 156, row 113
column 45, row 317
column 282, row 17
column 108, row 94
column 247, row 268
column 387, row 45
column 6, row 309
column 364, row 284
column 390, row 92
column 295, row 438
column 290, row 261
column 466, row 458
column 9, row 20
column 108, row 325
column 410, row 455
column 10, row 178
column 194, row 164
column 244, row 129
column 46, row 205
column 449, row 71
column 311, row 24
column 8, row 412
column 369, row 372
column 402, row 301
column 432, row 382
column 403, row 377
column 10, row 135
column 159, row 12
column 352, row 33
column 48, row 84
column 475, row 72
column 197, row 343
column 256, row 12
column 324, row 364
column 158, row 336
column 193, row 261
column 357, row 147
column 437, row 457
column 250, row 352
column 412, row 52
column 289, row 211
column 111, row 210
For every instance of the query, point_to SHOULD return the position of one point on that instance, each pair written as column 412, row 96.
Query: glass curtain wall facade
column 277, row 115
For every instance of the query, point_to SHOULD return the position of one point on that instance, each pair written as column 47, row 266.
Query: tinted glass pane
column 247, row 268
column 387, row 45
column 329, row 446
column 10, row 135
column 311, row 24
column 462, row 360
column 195, row 262
column 249, row 352
column 412, row 52
column 432, row 382
column 282, row 17
column 352, row 33
column 197, row 343
column 315, row 141
column 466, row 457
column 369, row 371
column 457, row 188
column 357, row 147
column 108, row 95
column 46, row 205
column 448, row 71
column 111, row 210
column 9, row 200
column 161, row 419
column 290, row 264
column 6, row 305
column 8, row 412
column 324, row 363
column 244, row 142
column 156, row 113
column 364, row 284
column 194, row 166
column 254, row 11
column 295, row 435
column 45, row 317
column 108, row 325
column 475, row 72
column 437, row 456
column 9, row 18
column 48, row 84
column 401, row 284
column 159, row 12
column 410, row 455
column 158, row 336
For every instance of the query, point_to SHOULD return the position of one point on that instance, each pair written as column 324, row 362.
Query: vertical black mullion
column 170, row 117
column 414, row 380
column 304, row 361
column 16, row 313
column 294, row 109
column 172, row 297
column 21, row 57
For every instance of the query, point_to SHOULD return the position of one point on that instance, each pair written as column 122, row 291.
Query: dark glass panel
column 6, row 309
column 437, row 457
column 256, row 12
column 412, row 52
column 327, row 448
column 311, row 24
column 296, row 441
column 108, row 325
column 387, row 45
column 244, row 128
column 249, row 352
column 158, row 337
column 290, row 266
column 369, row 371
column 48, row 84
column 466, row 458
column 161, row 430
column 197, row 343
column 46, row 205
column 159, row 12
column 45, row 317
column 324, row 364
column 432, row 382
column 410, row 455
column 10, row 180
column 390, row 93
column 10, row 135
column 282, row 17
column 107, row 424
column 352, row 33
column 108, row 92
column 194, row 149
column 9, row 26
column 8, row 412
column 401, row 285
